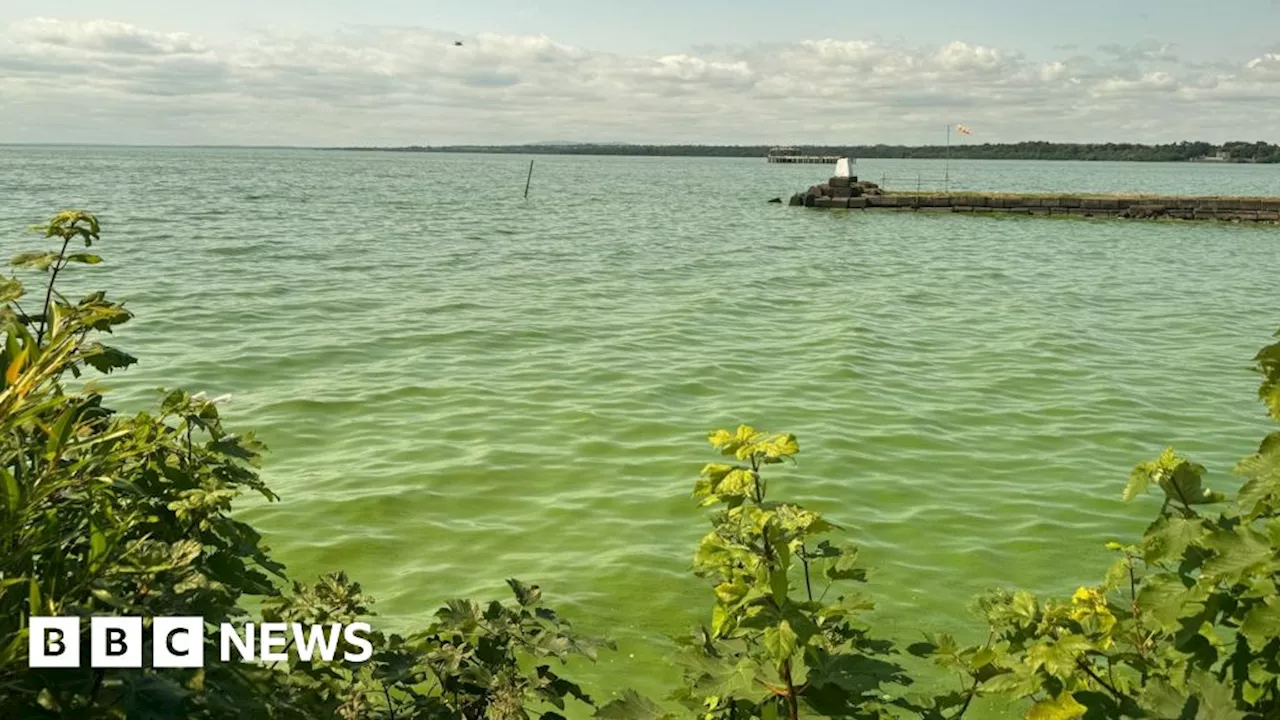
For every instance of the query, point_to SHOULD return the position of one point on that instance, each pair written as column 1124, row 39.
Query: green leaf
column 10, row 289
column 97, row 546
column 846, row 565
column 1019, row 683
column 778, row 447
column 1163, row 597
column 104, row 359
column 780, row 642
column 526, row 595
column 1181, row 480
column 779, row 585
column 1063, row 707
column 1170, row 537
column 1261, row 625
column 84, row 258
column 1267, row 363
column 1162, row 699
column 632, row 706
column 35, row 259
column 1024, row 605
column 1058, row 657
column 1216, row 699
column 1238, row 553
column 982, row 658
column 1261, row 493
column 12, row 491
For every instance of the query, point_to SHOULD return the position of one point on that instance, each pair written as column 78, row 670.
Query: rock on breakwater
column 837, row 189
column 866, row 196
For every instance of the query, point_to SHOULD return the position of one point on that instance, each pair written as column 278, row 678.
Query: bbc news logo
column 179, row 642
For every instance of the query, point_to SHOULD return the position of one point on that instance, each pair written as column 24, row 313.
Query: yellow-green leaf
column 1063, row 707
column 780, row 642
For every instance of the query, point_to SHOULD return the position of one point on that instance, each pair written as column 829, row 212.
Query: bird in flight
column 457, row 43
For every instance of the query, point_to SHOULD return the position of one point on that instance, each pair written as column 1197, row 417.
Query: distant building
column 1220, row 156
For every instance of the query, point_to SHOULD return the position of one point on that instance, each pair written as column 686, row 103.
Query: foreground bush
column 107, row 514
column 102, row 513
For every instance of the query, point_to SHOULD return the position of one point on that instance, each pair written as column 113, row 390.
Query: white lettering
column 350, row 633
column 273, row 636
column 307, row 643
column 231, row 637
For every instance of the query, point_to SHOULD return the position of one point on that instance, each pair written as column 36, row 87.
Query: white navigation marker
column 843, row 168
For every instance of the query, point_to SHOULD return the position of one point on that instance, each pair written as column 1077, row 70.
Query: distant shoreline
column 1232, row 152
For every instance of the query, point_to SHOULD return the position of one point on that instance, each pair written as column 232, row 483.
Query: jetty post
column 946, row 168
column 528, row 180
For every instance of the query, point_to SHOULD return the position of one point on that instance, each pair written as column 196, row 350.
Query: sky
column 388, row 72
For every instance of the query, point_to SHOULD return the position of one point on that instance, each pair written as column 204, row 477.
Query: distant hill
column 1231, row 152
column 571, row 143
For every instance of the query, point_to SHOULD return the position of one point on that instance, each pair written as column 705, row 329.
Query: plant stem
column 973, row 691
column 391, row 711
column 804, row 558
column 793, row 702
column 1137, row 621
column 48, row 293
column 1083, row 665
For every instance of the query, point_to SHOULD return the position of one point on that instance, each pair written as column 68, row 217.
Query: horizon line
column 614, row 144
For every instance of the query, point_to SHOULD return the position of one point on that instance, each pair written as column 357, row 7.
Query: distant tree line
column 1261, row 152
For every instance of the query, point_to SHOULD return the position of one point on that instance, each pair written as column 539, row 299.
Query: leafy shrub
column 103, row 513
column 1185, row 624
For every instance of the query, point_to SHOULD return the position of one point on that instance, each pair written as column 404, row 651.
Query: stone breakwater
column 851, row 194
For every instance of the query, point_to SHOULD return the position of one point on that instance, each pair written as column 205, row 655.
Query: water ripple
column 459, row 386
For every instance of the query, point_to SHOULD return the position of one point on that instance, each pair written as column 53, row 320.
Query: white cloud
column 414, row 86
column 1265, row 68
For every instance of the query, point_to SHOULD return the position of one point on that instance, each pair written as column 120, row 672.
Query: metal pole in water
column 528, row 180
column 947, row 173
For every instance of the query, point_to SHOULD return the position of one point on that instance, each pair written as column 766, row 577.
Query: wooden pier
column 794, row 155
column 1230, row 209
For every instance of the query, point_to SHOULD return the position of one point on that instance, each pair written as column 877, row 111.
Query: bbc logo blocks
column 116, row 642
column 179, row 642
column 54, row 642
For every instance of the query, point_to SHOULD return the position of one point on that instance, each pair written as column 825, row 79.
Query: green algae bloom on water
column 458, row 389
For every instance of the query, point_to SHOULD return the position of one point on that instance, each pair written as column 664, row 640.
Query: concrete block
column 823, row 201
column 1068, row 201
column 857, row 203
column 1269, row 216
column 935, row 202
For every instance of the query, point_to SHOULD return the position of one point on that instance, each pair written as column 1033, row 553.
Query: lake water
column 459, row 386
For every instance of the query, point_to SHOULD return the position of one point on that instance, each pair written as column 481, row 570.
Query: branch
column 48, row 293
column 1080, row 662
